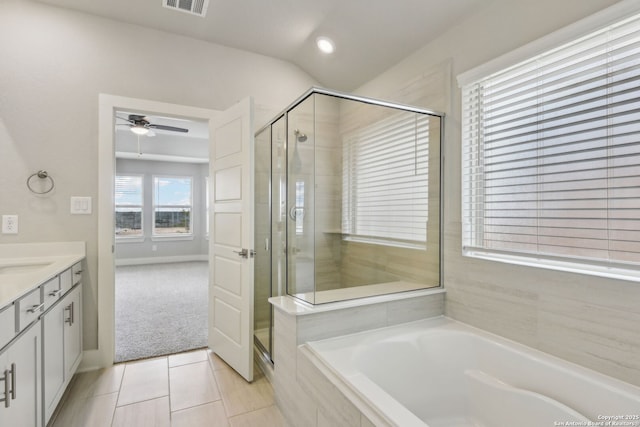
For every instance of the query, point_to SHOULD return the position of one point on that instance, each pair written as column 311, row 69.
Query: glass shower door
column 262, row 231
column 300, row 200
column 270, row 229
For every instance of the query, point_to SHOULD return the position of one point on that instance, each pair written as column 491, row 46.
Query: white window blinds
column 128, row 205
column 551, row 153
column 385, row 180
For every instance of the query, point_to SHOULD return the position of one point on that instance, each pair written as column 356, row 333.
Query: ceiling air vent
column 194, row 7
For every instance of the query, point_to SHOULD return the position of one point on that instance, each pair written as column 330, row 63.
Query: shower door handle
column 244, row 253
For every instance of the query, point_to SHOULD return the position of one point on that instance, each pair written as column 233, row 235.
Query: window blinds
column 128, row 190
column 551, row 152
column 385, row 180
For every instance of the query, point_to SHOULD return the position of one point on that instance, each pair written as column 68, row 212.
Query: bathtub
column 442, row 373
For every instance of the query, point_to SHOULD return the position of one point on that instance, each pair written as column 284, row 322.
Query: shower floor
column 263, row 336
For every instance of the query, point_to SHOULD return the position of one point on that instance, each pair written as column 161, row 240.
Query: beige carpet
column 160, row 309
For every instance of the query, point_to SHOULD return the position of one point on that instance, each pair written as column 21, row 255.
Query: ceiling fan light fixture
column 325, row 44
column 139, row 129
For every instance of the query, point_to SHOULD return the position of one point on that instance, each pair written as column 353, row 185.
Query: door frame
column 104, row 355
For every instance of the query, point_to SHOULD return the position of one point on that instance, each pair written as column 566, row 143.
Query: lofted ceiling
column 370, row 35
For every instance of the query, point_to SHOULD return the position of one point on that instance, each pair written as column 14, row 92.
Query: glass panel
column 300, row 200
column 364, row 199
column 128, row 222
column 172, row 201
column 278, row 211
column 262, row 226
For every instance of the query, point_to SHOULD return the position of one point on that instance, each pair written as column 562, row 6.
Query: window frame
column 576, row 264
column 171, row 236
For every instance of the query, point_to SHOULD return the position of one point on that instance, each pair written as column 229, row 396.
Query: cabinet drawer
column 7, row 325
column 51, row 292
column 76, row 269
column 66, row 281
column 29, row 308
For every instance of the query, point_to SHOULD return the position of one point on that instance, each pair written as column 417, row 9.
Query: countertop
column 51, row 258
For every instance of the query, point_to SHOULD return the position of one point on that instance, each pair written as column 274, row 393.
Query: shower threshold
column 354, row 292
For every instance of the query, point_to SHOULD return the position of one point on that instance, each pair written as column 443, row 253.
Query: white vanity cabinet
column 62, row 343
column 72, row 331
column 7, row 324
column 40, row 328
column 20, row 379
column 53, row 358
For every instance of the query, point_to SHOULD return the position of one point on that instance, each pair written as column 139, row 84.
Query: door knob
column 244, row 253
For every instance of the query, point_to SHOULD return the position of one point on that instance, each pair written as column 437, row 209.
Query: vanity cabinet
column 62, row 344
column 53, row 358
column 40, row 348
column 72, row 331
column 7, row 324
column 20, row 380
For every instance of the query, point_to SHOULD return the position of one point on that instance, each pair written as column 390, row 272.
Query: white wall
column 588, row 320
column 53, row 65
column 195, row 247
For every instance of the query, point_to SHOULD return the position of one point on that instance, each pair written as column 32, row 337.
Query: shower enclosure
column 347, row 202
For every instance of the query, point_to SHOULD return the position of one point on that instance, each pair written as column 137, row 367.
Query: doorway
column 161, row 234
column 109, row 105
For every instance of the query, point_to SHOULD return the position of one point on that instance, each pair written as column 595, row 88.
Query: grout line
column 169, row 388
column 197, row 406
column 141, row 401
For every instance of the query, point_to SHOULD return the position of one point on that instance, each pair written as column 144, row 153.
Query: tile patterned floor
column 183, row 390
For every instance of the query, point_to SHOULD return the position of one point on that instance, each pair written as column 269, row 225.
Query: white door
column 231, row 240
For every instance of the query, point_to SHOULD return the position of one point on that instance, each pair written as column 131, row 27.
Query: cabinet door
column 72, row 331
column 23, row 358
column 53, row 357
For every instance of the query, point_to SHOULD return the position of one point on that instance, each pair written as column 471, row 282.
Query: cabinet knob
column 55, row 293
column 35, row 308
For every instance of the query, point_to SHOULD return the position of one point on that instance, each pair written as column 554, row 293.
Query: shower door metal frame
column 382, row 103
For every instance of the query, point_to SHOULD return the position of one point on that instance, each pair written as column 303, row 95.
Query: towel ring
column 42, row 175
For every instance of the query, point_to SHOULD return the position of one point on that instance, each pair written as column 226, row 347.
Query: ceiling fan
column 140, row 125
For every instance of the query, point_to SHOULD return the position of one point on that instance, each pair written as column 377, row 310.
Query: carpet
column 160, row 309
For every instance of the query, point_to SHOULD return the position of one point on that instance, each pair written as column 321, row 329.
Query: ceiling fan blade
column 126, row 120
column 168, row 128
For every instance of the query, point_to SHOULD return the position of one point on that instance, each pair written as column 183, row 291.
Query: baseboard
column 91, row 360
column 161, row 260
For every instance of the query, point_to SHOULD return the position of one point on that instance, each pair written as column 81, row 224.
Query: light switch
column 9, row 224
column 81, row 205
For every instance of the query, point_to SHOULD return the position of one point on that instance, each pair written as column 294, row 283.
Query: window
column 385, row 181
column 172, row 206
column 551, row 156
column 128, row 206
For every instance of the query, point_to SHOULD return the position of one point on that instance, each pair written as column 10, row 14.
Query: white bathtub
column 439, row 372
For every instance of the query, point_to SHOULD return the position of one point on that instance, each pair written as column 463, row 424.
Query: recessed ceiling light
column 325, row 44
